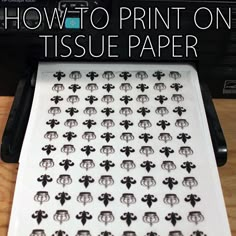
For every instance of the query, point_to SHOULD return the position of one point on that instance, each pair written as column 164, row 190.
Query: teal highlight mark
column 72, row 23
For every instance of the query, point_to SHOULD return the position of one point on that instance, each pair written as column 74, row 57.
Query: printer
column 100, row 30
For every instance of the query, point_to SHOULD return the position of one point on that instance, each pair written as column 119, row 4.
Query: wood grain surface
column 226, row 110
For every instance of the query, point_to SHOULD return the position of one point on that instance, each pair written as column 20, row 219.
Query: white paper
column 206, row 217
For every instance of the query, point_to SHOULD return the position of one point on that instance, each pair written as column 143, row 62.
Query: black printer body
column 145, row 24
column 216, row 46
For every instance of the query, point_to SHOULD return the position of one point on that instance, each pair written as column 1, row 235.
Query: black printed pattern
column 83, row 135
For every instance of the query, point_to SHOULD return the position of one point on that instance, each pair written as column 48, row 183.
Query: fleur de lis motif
column 149, row 199
column 176, row 86
column 107, row 136
column 179, row 110
column 106, row 198
column 126, row 123
column 107, row 111
column 188, row 166
column 108, row 87
column 56, row 99
column 88, row 149
column 49, row 148
column 66, row 164
column 105, row 233
column 192, row 199
column 148, row 165
column 163, row 124
column 143, row 111
column 173, row 218
column 59, row 75
column 72, row 111
column 161, row 99
column 108, row 75
column 89, row 123
column 184, row 137
column 142, row 87
column 126, row 99
column 128, row 181
column 128, row 217
column 52, row 123
column 69, row 135
column 84, row 216
column 86, row 180
column 74, row 87
column 167, row 151
column 146, row 137
column 170, row 182
column 158, row 75
column 107, row 164
column 127, row 150
column 91, row 99
column 62, row 197
column 198, row 233
column 125, row 75
column 44, row 179
column 60, row 233
column 92, row 75
column 39, row 216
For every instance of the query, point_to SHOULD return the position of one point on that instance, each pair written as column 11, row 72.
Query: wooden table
column 226, row 110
